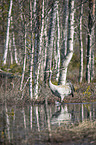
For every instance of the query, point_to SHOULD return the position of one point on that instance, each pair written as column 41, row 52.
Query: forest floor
column 83, row 93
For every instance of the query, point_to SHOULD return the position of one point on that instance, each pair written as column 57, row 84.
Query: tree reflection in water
column 25, row 123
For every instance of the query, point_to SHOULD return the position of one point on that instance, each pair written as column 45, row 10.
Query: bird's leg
column 62, row 97
column 72, row 94
column 57, row 103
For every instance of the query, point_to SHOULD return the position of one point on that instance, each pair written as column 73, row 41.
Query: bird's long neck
column 50, row 74
column 52, row 86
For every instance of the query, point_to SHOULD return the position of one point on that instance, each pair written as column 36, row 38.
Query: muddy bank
column 77, row 134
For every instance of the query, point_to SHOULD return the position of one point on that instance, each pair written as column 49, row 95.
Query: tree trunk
column 7, row 34
column 93, row 42
column 58, row 43
column 65, row 62
column 66, row 27
column 31, row 55
column 36, row 88
column 15, row 49
column 50, row 40
column 89, row 45
column 81, row 46
column 24, row 63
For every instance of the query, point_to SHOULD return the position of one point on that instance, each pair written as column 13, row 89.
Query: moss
column 15, row 68
column 87, row 93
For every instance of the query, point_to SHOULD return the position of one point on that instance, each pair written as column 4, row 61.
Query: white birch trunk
column 35, row 37
column 24, row 63
column 31, row 76
column 53, row 30
column 81, row 46
column 88, row 75
column 89, row 44
column 58, row 43
column 36, row 89
column 7, row 34
column 54, row 62
column 10, row 50
column 92, row 56
column 66, row 27
column 50, row 40
column 93, row 42
column 46, row 41
column 31, row 61
column 66, row 61
column 15, row 49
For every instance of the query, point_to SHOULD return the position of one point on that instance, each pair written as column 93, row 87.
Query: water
column 33, row 124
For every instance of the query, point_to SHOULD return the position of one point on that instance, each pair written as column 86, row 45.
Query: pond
column 33, row 124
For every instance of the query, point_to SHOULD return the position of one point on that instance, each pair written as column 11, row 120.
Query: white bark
column 92, row 56
column 24, row 63
column 50, row 39
column 53, row 29
column 46, row 41
column 90, row 42
column 66, row 27
column 32, row 51
column 15, row 49
column 36, row 89
column 7, row 34
column 10, row 50
column 65, row 67
column 93, row 42
column 68, row 57
column 81, row 46
column 58, row 43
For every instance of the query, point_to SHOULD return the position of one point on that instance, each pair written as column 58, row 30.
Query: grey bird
column 61, row 90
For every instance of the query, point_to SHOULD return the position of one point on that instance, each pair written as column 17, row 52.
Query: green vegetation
column 13, row 68
column 87, row 93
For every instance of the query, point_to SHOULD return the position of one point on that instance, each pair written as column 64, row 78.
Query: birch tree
column 7, row 33
column 24, row 64
column 66, row 59
column 50, row 39
column 93, row 40
column 66, row 26
column 10, row 50
column 15, row 49
column 81, row 45
column 58, row 42
column 90, row 41
column 36, row 89
column 32, row 52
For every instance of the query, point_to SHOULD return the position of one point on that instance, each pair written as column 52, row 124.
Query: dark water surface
column 33, row 124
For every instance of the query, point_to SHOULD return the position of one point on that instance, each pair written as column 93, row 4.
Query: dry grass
column 84, row 132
